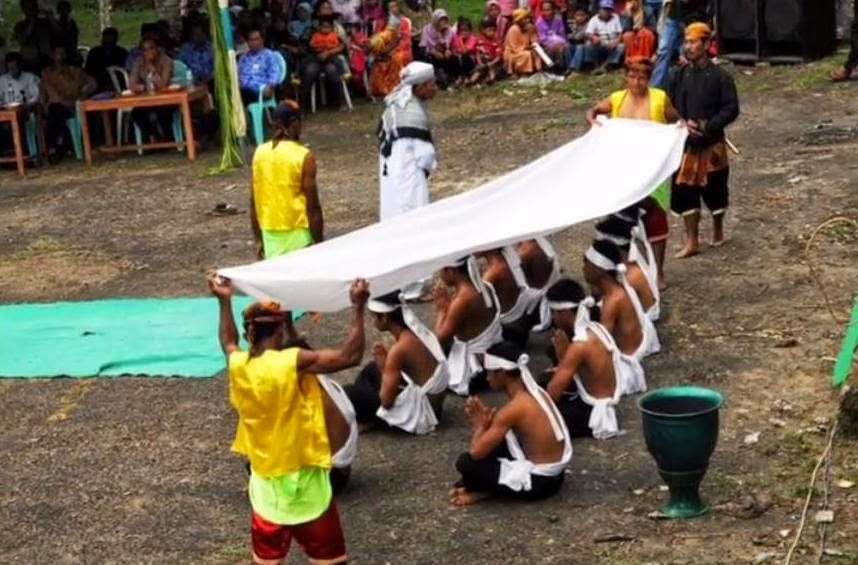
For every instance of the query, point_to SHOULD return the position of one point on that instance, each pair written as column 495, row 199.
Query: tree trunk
column 105, row 7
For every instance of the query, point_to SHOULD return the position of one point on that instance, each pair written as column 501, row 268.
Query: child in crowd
column 326, row 38
column 464, row 46
column 358, row 44
column 493, row 12
column 489, row 53
column 301, row 27
column 577, row 38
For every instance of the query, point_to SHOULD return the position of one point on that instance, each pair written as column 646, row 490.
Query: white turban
column 413, row 74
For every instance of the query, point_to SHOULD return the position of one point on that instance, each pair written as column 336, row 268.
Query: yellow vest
column 280, row 202
column 281, row 418
column 657, row 100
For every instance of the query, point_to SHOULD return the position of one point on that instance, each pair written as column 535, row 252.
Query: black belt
column 385, row 139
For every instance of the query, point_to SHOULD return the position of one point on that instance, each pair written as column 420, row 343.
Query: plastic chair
column 182, row 76
column 83, row 52
column 73, row 125
column 119, row 80
column 320, row 81
column 256, row 109
column 31, row 134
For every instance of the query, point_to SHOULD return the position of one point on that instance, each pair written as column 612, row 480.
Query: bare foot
column 687, row 251
column 454, row 494
column 718, row 242
column 465, row 498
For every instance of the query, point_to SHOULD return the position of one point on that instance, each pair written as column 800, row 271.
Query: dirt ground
column 138, row 470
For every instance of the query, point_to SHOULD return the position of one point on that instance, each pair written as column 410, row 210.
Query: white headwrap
column 582, row 316
column 476, row 279
column 412, row 322
column 413, row 74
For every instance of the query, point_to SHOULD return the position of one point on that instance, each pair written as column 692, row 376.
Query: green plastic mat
column 149, row 336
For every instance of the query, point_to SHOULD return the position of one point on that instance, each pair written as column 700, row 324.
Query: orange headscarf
column 519, row 15
column 698, row 30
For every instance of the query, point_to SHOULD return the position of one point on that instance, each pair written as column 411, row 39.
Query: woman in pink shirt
column 465, row 49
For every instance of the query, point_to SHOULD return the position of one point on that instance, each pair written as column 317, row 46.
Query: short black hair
column 110, row 31
column 507, row 350
column 64, row 4
column 565, row 290
column 464, row 22
column 616, row 227
column 609, row 250
column 13, row 57
column 255, row 28
column 392, row 299
column 488, row 22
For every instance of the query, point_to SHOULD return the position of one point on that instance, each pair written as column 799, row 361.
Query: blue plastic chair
column 73, row 125
column 183, row 77
column 257, row 109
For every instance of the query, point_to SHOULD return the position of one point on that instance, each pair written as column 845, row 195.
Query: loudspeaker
column 776, row 30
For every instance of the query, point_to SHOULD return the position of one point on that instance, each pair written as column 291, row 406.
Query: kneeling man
column 520, row 450
column 404, row 386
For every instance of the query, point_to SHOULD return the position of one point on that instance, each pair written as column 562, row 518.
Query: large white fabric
column 574, row 183
column 345, row 456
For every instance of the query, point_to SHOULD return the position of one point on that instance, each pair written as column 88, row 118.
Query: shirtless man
column 541, row 269
column 467, row 323
column 528, row 432
column 404, row 386
column 517, row 302
column 584, row 385
column 619, row 232
column 622, row 313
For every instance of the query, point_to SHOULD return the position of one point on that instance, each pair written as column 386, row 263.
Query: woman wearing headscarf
column 388, row 57
column 519, row 56
column 494, row 11
column 436, row 45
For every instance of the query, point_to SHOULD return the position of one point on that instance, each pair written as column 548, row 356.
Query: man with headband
column 705, row 96
column 642, row 279
column 622, row 313
column 406, row 149
column 281, row 426
column 519, row 450
column 467, row 324
column 590, row 375
column 517, row 301
column 541, row 267
column 285, row 212
column 404, row 386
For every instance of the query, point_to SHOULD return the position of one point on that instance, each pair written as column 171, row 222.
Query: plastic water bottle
column 10, row 94
column 189, row 78
column 150, row 83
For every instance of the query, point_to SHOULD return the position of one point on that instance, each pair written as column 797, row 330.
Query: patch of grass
column 85, row 13
column 43, row 245
column 816, row 73
column 471, row 9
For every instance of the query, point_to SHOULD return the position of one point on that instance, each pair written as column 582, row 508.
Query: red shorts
column 321, row 540
column 655, row 221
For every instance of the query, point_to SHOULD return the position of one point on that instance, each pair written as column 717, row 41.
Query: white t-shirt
column 607, row 30
column 25, row 88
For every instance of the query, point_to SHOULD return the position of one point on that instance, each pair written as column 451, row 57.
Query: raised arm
column 311, row 193
column 222, row 289
column 350, row 352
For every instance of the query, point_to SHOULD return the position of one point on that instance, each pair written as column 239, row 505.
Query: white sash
column 462, row 360
column 649, row 342
column 556, row 273
column 528, row 298
column 648, row 265
column 346, row 454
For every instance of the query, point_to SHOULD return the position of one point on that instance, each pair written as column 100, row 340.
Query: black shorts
column 685, row 199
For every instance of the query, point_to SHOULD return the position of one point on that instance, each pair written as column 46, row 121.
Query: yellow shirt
column 281, row 419
column 280, row 202
column 657, row 102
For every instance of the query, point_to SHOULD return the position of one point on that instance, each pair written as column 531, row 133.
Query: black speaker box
column 776, row 30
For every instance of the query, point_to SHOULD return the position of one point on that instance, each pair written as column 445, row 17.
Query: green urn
column 680, row 426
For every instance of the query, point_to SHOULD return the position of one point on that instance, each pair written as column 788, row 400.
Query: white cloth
column 462, row 359
column 413, row 74
column 528, row 298
column 345, row 456
column 649, row 340
column 25, row 88
column 516, row 473
column 649, row 267
column 556, row 273
column 404, row 185
column 523, row 204
column 603, row 417
column 412, row 411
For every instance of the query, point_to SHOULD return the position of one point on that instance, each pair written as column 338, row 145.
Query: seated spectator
column 465, row 49
column 371, row 13
column 258, row 69
column 552, row 34
column 147, row 31
column 493, row 12
column 388, row 58
column 436, row 43
column 16, row 85
column 489, row 53
column 324, row 41
column 327, row 61
column 108, row 54
column 34, row 36
column 198, row 55
column 638, row 25
column 3, row 51
column 348, row 9
column 151, row 72
column 68, row 30
column 357, row 44
column 165, row 38
column 405, row 30
column 577, row 39
column 301, row 27
column 536, row 9
column 62, row 86
column 604, row 48
column 519, row 56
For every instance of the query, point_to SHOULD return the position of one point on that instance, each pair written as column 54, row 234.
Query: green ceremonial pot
column 680, row 426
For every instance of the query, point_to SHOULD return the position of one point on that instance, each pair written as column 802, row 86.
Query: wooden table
column 181, row 98
column 15, row 117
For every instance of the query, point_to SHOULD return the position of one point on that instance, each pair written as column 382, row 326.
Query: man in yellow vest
column 285, row 212
column 281, row 427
